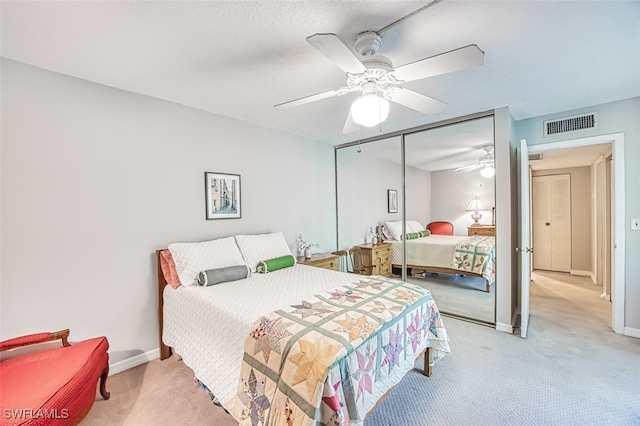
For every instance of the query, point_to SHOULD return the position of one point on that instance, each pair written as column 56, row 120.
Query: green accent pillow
column 414, row 235
column 275, row 264
column 222, row 275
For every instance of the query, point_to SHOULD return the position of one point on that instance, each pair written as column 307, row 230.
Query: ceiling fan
column 375, row 77
column 485, row 163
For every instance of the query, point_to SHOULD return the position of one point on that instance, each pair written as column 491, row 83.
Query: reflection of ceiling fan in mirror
column 374, row 77
column 485, row 163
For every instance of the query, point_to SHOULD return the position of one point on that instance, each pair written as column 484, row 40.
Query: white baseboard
column 632, row 332
column 134, row 361
column 505, row 328
column 584, row 274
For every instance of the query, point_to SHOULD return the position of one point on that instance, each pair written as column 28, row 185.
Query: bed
column 450, row 254
column 301, row 344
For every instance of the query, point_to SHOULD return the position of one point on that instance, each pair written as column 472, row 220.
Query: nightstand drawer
column 485, row 230
column 321, row 260
column 326, row 264
column 376, row 259
column 381, row 252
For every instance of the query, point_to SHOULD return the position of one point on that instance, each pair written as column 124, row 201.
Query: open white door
column 524, row 250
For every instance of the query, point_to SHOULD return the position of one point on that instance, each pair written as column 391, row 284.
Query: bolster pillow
column 275, row 264
column 222, row 275
column 414, row 235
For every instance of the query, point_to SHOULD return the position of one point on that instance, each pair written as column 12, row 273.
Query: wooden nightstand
column 321, row 260
column 376, row 260
column 484, row 230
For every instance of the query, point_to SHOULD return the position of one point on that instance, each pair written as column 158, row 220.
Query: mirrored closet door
column 447, row 185
column 369, row 188
column 452, row 168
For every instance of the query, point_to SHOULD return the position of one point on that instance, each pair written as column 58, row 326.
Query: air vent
column 570, row 124
column 535, row 157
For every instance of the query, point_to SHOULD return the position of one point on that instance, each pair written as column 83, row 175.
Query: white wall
column 506, row 192
column 95, row 179
column 452, row 192
column 363, row 182
column 614, row 117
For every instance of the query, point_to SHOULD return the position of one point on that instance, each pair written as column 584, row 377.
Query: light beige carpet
column 571, row 370
column 156, row 393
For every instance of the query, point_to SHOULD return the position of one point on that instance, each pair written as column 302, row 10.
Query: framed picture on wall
column 392, row 201
column 222, row 195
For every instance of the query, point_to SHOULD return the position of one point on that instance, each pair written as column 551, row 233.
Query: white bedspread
column 197, row 319
column 434, row 250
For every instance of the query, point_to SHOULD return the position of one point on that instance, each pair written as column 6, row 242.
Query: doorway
column 551, row 221
column 616, row 269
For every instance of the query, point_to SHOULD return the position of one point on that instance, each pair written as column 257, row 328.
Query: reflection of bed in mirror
column 450, row 254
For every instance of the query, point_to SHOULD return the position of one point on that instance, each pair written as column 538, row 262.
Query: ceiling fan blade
column 415, row 100
column 350, row 126
column 468, row 168
column 308, row 99
column 454, row 60
column 336, row 51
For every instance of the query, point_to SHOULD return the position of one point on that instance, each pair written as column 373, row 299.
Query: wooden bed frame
column 166, row 351
column 487, row 286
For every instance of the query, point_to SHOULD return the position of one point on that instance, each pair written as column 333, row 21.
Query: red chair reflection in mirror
column 440, row 228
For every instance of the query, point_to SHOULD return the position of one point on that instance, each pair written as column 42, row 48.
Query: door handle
column 524, row 250
column 547, row 223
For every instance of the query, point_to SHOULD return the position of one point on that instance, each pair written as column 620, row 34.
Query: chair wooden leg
column 103, row 383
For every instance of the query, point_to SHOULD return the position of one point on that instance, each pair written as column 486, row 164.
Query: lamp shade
column 369, row 110
column 476, row 205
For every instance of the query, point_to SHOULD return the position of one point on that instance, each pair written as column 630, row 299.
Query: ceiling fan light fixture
column 488, row 171
column 370, row 110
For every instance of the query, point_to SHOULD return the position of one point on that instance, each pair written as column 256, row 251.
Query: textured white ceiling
column 239, row 58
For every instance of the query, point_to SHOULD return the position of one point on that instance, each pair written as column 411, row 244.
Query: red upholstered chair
column 54, row 386
column 441, row 228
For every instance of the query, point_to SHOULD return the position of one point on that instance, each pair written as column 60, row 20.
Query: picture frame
column 392, row 201
column 222, row 196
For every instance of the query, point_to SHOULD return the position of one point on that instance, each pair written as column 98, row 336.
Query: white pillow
column 385, row 233
column 414, row 226
column 394, row 229
column 191, row 258
column 256, row 248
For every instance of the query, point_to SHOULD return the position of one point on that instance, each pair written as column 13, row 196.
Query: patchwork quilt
column 329, row 359
column 476, row 254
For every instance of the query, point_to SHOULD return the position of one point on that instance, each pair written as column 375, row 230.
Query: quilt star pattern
column 330, row 358
column 476, row 254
